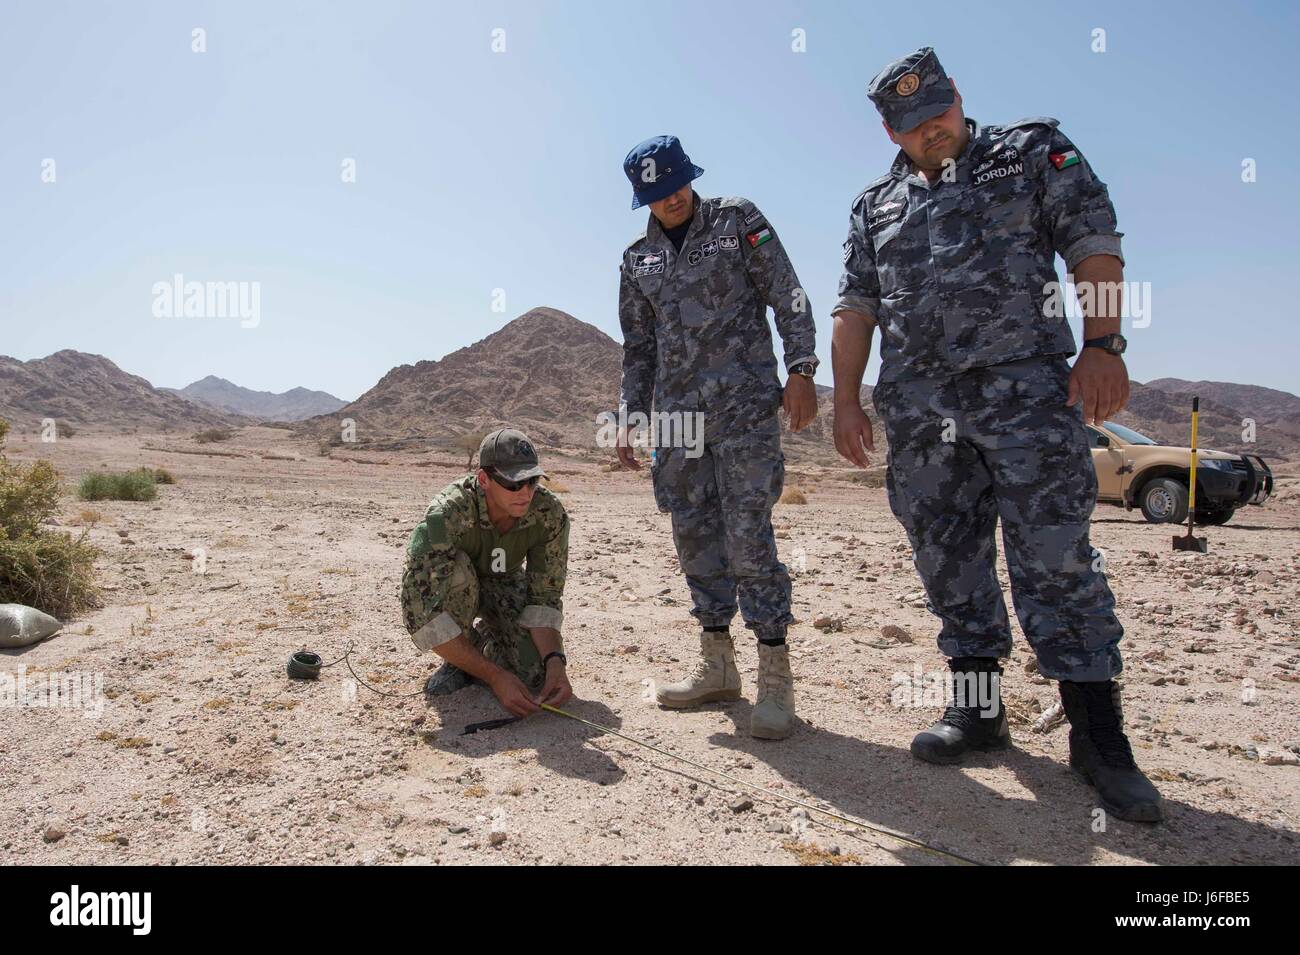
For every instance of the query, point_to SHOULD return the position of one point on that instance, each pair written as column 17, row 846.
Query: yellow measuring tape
column 848, row 820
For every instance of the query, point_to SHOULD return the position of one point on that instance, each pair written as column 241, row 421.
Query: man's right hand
column 512, row 694
column 853, row 437
column 626, row 455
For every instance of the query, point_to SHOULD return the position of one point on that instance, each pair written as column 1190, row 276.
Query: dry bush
column 50, row 571
column 873, row 478
column 792, row 495
column 214, row 434
column 135, row 485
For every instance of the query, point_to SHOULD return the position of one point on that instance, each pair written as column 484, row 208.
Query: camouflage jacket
column 958, row 274
column 457, row 520
column 695, row 332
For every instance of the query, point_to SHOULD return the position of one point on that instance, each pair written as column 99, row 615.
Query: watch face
column 1117, row 344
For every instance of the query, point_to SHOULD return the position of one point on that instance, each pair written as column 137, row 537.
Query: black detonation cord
column 306, row 665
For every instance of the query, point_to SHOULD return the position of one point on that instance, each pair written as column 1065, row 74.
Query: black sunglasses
column 513, row 486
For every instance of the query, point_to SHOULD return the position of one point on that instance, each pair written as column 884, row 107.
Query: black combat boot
column 1100, row 753
column 966, row 727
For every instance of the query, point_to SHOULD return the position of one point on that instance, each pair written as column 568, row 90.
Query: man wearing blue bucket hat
column 694, row 291
column 951, row 255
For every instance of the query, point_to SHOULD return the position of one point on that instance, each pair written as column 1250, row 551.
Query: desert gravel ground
column 205, row 752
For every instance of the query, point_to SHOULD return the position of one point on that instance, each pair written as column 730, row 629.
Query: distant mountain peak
column 87, row 389
column 293, row 405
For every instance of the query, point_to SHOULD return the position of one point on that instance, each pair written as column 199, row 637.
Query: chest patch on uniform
column 886, row 212
column 703, row 251
column 1005, row 164
column 758, row 237
column 728, row 243
column 753, row 217
column 647, row 263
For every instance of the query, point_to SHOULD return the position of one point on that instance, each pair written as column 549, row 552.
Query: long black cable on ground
column 306, row 664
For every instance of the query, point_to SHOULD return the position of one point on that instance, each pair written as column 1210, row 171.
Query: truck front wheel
column 1164, row 501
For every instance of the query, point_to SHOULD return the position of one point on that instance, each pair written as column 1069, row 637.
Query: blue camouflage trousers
column 721, row 506
column 999, row 442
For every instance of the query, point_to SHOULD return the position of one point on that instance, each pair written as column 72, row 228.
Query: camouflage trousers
column 992, row 443
column 487, row 610
column 721, row 506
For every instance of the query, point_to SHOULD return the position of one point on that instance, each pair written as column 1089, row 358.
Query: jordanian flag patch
column 758, row 237
column 1064, row 160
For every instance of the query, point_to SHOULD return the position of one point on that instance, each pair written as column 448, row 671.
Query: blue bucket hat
column 657, row 168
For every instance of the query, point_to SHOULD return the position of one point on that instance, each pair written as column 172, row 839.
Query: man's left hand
column 556, row 690
column 1100, row 380
column 799, row 401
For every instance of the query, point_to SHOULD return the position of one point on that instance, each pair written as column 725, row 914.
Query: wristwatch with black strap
column 1115, row 344
column 805, row 368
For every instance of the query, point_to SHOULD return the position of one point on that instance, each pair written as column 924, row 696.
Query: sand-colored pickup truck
column 1134, row 471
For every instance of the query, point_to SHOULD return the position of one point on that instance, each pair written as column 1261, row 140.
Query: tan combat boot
column 773, row 713
column 715, row 677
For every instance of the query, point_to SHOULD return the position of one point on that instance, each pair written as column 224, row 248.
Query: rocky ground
column 205, row 752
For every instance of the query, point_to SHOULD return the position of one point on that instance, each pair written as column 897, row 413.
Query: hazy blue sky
column 479, row 170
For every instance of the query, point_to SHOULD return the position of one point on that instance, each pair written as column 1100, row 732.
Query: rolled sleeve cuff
column 857, row 303
column 436, row 632
column 539, row 615
column 1080, row 249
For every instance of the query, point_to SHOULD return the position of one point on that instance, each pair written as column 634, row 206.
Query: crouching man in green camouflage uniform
column 466, row 560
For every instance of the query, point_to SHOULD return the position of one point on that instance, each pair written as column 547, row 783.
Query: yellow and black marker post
column 1189, row 541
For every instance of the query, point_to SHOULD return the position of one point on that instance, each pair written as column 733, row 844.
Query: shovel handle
column 1191, row 475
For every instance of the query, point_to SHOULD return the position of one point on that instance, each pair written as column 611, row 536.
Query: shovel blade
column 1187, row 542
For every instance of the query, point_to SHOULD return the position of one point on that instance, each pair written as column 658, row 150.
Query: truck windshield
column 1127, row 435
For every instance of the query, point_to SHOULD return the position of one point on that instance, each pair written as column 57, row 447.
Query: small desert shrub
column 160, row 475
column 130, row 486
column 50, row 571
column 874, row 478
column 792, row 495
column 214, row 434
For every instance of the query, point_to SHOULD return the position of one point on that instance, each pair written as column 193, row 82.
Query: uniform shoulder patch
column 446, row 512
column 435, row 529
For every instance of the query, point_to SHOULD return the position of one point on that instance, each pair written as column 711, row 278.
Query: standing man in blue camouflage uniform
column 694, row 291
column 951, row 256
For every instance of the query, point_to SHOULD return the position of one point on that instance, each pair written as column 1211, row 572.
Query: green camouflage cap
column 911, row 90
column 510, row 454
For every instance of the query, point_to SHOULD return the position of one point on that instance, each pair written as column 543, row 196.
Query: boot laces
column 1107, row 733
column 962, row 717
column 966, row 717
column 770, row 683
column 702, row 669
